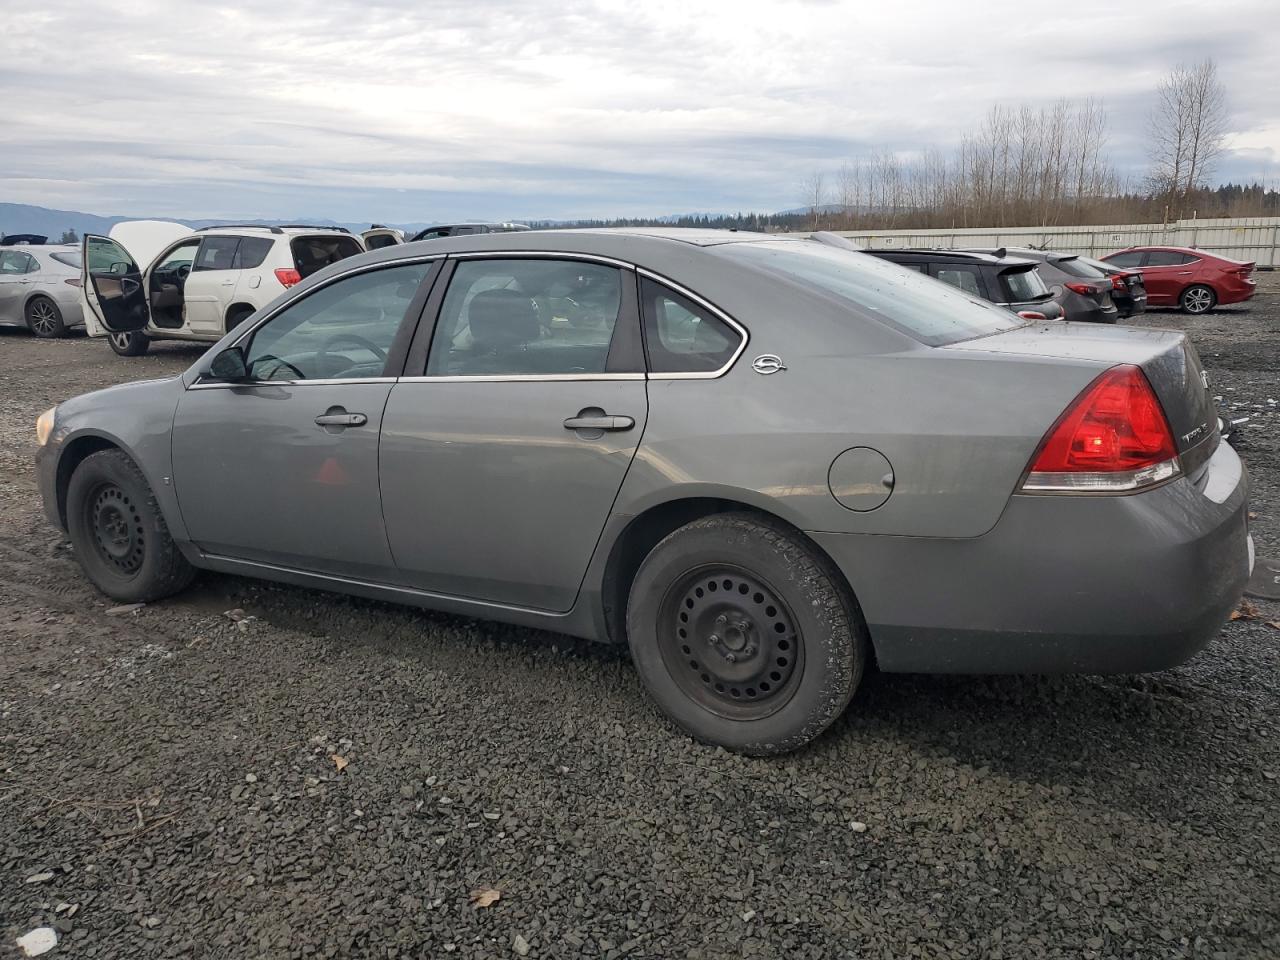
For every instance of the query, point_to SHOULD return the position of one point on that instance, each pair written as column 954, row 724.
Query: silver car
column 40, row 288
column 763, row 463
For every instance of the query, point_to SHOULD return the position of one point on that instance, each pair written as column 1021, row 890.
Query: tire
column 1198, row 299
column 129, row 344
column 762, row 671
column 118, row 532
column 44, row 318
column 238, row 317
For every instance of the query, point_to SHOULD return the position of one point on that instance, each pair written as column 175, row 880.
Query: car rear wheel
column 44, row 319
column 744, row 634
column 1198, row 299
column 132, row 344
column 118, row 532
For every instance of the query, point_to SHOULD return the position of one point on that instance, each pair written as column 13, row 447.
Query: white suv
column 195, row 285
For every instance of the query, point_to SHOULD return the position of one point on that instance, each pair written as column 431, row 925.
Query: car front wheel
column 44, row 319
column 744, row 634
column 132, row 344
column 118, row 532
column 1198, row 299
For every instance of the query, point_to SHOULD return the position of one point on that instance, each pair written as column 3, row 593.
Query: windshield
column 1024, row 285
column 922, row 308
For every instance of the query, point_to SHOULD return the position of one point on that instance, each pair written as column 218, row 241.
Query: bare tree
column 1187, row 128
column 813, row 188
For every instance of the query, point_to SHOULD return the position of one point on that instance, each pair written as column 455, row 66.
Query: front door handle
column 601, row 422
column 341, row 420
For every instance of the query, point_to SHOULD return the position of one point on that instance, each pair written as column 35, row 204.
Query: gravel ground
column 333, row 777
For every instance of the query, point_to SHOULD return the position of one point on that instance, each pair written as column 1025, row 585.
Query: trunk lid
column 1167, row 358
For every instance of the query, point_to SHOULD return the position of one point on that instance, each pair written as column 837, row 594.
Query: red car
column 1193, row 280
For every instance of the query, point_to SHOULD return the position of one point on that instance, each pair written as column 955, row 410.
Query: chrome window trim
column 525, row 378
column 541, row 255
column 742, row 332
column 250, row 384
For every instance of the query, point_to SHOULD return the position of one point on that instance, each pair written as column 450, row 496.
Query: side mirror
column 230, row 366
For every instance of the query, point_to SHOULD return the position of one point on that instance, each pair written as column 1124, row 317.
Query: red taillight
column 1117, row 283
column 1084, row 289
column 74, row 281
column 1113, row 438
column 1032, row 315
column 288, row 276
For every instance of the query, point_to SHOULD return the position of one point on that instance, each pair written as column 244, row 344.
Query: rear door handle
column 603, row 422
column 227, row 283
column 341, row 420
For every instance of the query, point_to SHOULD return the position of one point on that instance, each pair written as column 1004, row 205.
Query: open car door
column 113, row 290
column 380, row 237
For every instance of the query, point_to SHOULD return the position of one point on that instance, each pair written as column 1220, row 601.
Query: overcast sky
column 426, row 110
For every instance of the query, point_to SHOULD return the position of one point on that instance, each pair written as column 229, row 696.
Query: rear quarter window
column 923, row 309
column 71, row 258
column 313, row 253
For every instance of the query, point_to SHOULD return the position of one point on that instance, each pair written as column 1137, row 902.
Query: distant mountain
column 25, row 218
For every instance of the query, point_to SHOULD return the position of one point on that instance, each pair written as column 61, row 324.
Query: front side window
column 216, row 253
column 916, row 306
column 178, row 257
column 342, row 331
column 533, row 317
column 1130, row 258
column 682, row 336
column 107, row 256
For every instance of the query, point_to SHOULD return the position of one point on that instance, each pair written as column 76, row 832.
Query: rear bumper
column 1236, row 291
column 1061, row 584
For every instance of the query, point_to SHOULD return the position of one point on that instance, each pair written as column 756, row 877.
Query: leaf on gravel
column 124, row 609
column 340, row 762
column 484, row 897
column 1274, row 624
column 1246, row 611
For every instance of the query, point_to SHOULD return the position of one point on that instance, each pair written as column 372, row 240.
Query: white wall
column 1242, row 238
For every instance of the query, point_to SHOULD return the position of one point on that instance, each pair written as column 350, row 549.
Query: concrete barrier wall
column 1241, row 238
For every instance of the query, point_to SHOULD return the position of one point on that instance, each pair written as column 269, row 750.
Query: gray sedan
column 762, row 463
column 40, row 288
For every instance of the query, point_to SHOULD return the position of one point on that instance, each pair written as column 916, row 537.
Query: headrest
column 502, row 318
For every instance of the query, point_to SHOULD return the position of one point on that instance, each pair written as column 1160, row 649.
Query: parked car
column 1009, row 282
column 754, row 459
column 1128, row 290
column 1190, row 279
column 40, row 288
column 195, row 285
column 1083, row 292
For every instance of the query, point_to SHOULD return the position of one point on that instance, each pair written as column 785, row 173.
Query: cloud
column 410, row 110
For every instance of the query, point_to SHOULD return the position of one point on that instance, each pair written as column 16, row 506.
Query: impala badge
column 768, row 363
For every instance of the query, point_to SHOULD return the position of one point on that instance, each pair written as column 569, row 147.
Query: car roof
column 972, row 256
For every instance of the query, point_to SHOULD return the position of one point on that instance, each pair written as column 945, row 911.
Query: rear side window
column 965, row 278
column 251, row 253
column 71, row 258
column 682, row 336
column 925, row 311
column 1131, row 258
column 1168, row 258
column 216, row 253
column 1022, row 285
column 1075, row 267
column 311, row 254
column 535, row 317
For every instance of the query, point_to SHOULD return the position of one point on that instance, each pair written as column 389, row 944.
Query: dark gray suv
column 757, row 461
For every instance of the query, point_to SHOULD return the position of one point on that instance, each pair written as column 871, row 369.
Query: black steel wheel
column 117, row 528
column 118, row 532
column 745, row 634
column 730, row 642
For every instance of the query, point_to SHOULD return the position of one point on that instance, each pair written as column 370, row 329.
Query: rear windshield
column 920, row 307
column 71, row 258
column 1022, row 285
column 312, row 254
column 1076, row 267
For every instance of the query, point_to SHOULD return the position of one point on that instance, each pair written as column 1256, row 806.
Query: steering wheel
column 351, row 338
column 280, row 364
column 182, row 271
